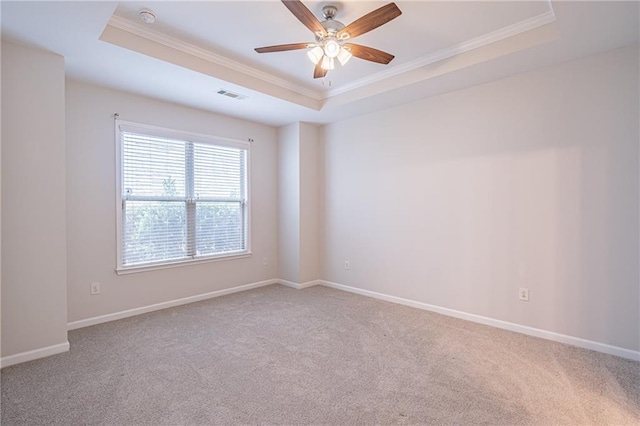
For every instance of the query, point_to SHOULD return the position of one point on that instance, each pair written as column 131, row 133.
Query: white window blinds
column 182, row 197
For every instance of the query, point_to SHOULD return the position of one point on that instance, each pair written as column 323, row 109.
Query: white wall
column 299, row 195
column 34, row 302
column 0, row 208
column 310, row 223
column 456, row 201
column 91, row 205
column 530, row 181
column 289, row 202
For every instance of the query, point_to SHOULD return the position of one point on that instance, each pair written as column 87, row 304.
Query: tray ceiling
column 194, row 49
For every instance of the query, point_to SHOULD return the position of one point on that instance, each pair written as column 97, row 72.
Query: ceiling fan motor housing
column 330, row 24
column 330, row 42
column 329, row 11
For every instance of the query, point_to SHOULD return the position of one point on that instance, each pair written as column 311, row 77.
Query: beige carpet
column 317, row 356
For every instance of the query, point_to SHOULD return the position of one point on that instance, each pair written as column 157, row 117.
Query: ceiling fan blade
column 319, row 72
column 371, row 21
column 369, row 53
column 305, row 16
column 282, row 47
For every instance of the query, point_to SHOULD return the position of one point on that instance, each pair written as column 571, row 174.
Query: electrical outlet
column 95, row 289
column 265, row 261
column 347, row 265
column 524, row 294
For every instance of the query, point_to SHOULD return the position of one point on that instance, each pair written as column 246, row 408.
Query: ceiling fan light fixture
column 315, row 54
column 327, row 63
column 344, row 55
column 331, row 47
column 331, row 36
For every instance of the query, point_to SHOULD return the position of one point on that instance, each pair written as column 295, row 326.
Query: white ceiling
column 196, row 48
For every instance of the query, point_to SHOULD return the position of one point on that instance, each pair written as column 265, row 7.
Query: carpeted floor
column 275, row 355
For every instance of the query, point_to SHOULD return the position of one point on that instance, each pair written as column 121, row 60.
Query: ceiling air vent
column 231, row 94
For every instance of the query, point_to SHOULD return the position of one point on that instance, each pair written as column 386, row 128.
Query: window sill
column 178, row 263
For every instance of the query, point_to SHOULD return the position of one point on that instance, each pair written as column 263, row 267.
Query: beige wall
column 531, row 181
column 91, row 204
column 34, row 256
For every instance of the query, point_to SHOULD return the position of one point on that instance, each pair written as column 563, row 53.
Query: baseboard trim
column 530, row 331
column 301, row 285
column 523, row 329
column 33, row 354
column 169, row 304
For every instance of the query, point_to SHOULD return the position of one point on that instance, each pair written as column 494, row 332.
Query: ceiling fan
column 332, row 37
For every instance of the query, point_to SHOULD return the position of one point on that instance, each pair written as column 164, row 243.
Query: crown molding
column 207, row 55
column 457, row 49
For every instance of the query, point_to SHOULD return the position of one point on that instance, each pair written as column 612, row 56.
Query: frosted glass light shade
column 331, row 48
column 344, row 55
column 315, row 54
column 327, row 63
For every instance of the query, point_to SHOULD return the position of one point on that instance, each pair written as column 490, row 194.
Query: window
column 182, row 197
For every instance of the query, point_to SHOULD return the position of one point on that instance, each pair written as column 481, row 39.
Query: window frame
column 185, row 136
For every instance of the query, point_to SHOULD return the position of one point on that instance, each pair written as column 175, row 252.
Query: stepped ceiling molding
column 196, row 50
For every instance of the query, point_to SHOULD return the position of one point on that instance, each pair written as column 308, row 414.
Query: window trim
column 146, row 129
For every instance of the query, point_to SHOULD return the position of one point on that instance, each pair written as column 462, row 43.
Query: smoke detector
column 147, row 16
